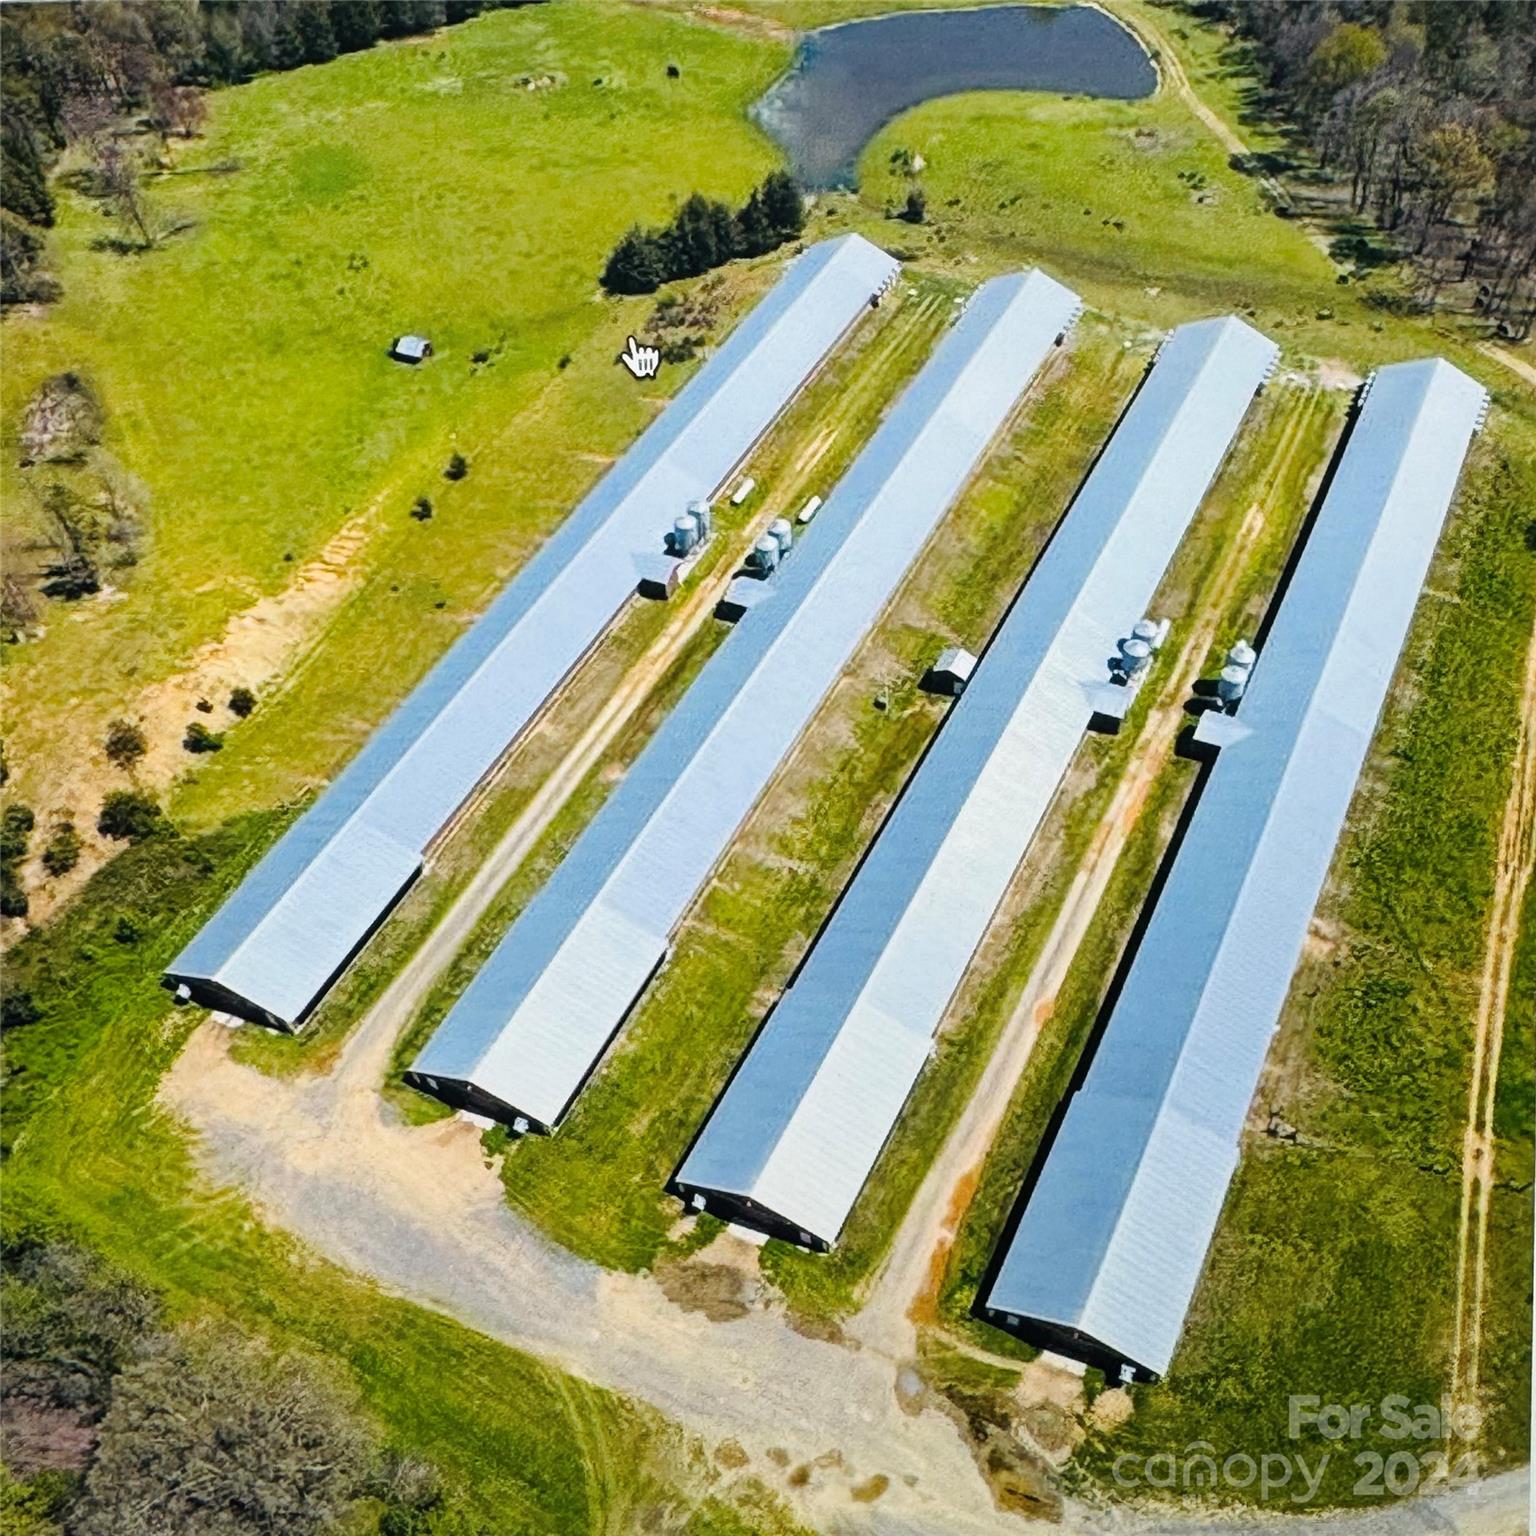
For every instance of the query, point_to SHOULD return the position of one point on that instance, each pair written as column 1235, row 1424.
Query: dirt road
column 1170, row 70
column 1507, row 359
column 1512, row 879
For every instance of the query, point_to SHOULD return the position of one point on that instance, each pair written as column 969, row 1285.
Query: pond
column 849, row 80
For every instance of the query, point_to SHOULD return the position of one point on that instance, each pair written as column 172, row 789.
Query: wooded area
column 1426, row 113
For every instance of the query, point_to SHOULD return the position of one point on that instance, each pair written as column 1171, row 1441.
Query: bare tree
column 179, row 109
column 120, row 186
column 216, row 1435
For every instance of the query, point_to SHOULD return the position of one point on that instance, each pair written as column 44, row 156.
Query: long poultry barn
column 531, row 1026
column 271, row 951
column 797, row 1132
column 1113, row 1237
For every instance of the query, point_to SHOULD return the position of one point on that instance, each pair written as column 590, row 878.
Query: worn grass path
column 1513, row 877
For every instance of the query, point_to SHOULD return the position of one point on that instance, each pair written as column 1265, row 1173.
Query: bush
column 13, row 897
column 125, row 743
column 18, row 1008
column 915, row 210
column 458, row 467
column 421, row 510
column 200, row 739
column 62, row 852
column 129, row 814
column 241, row 702
column 73, row 1322
column 637, row 264
column 16, row 823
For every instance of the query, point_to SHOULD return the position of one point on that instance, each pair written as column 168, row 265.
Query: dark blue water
column 849, row 81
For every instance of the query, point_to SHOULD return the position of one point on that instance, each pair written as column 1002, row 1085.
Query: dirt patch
column 1053, row 1429
column 260, row 645
column 1042, row 1382
column 720, row 1291
column 870, row 1489
column 730, row 1455
column 1322, row 941
column 1111, row 1409
column 747, row 23
column 42, row 1437
column 912, row 1394
column 1018, row 1484
column 1335, row 373
column 925, row 1305
column 827, row 1329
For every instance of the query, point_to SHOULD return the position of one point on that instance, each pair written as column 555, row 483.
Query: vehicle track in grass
column 1513, row 873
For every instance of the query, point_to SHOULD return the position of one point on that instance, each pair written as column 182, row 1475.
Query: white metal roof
column 1114, row 1235
column 537, row 1017
column 801, row 1124
column 281, row 938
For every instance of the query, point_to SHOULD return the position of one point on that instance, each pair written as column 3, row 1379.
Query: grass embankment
column 597, row 1186
column 529, row 1447
column 807, row 449
column 421, row 187
column 1334, row 1269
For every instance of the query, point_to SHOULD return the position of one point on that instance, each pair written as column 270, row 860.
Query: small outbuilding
column 950, row 673
column 410, row 349
column 742, row 596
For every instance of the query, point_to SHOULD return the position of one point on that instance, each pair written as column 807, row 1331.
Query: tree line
column 73, row 72
column 1427, row 112
column 705, row 233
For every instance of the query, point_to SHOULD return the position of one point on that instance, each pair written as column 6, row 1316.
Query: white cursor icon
column 641, row 361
